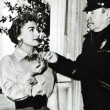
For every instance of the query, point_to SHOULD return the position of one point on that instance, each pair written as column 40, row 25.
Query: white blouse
column 15, row 76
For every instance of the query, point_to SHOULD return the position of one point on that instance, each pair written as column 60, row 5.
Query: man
column 92, row 67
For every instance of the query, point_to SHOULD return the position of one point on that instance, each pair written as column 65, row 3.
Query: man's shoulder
column 86, row 35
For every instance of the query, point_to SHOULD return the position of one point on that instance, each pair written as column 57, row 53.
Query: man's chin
column 91, row 28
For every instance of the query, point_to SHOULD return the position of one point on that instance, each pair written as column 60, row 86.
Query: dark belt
column 37, row 102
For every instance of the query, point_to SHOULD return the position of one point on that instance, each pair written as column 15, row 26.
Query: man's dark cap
column 95, row 4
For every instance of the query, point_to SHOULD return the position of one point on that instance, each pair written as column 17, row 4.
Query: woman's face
column 29, row 34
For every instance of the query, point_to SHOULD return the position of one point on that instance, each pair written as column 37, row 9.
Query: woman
column 25, row 77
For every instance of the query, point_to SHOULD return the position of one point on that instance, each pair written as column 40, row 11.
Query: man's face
column 29, row 34
column 97, row 19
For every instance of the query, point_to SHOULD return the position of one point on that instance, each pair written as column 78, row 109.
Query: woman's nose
column 36, row 31
column 36, row 34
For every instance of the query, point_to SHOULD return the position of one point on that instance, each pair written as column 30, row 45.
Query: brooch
column 103, row 43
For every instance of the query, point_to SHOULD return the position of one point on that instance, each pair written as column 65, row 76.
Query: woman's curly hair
column 17, row 24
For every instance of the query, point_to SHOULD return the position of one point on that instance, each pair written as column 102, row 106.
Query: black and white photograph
column 54, row 55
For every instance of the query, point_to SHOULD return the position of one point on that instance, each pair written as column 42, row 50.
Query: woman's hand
column 39, row 68
column 49, row 56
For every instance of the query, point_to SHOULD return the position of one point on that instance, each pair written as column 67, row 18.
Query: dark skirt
column 36, row 102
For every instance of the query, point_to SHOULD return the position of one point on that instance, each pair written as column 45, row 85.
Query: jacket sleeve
column 64, row 66
column 88, row 66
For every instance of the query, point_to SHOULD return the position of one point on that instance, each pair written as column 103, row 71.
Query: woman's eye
column 32, row 29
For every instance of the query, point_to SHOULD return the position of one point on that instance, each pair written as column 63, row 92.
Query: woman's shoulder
column 6, row 59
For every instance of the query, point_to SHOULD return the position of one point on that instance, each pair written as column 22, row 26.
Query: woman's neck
column 27, row 48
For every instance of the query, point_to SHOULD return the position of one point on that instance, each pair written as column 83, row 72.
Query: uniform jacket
column 92, row 68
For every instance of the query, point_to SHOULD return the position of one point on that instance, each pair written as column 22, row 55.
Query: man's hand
column 50, row 57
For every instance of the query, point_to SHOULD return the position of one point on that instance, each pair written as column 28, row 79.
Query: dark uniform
column 92, row 68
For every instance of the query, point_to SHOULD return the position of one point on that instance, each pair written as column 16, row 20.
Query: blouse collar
column 20, row 54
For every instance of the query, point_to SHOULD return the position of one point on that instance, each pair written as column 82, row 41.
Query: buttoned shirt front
column 15, row 76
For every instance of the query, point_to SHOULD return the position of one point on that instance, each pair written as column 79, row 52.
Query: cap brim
column 91, row 8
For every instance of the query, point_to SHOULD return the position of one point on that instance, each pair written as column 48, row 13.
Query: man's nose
column 89, row 14
column 89, row 17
